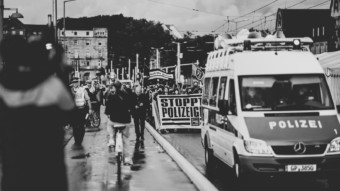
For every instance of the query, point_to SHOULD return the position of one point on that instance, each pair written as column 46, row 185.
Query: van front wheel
column 209, row 158
column 239, row 175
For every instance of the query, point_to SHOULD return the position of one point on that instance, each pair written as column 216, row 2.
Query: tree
column 126, row 36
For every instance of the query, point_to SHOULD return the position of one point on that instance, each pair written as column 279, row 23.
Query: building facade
column 335, row 13
column 13, row 26
column 86, row 51
column 314, row 23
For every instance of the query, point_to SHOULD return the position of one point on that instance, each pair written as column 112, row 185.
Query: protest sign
column 179, row 111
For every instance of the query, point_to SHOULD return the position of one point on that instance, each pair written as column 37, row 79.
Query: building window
column 87, row 42
column 323, row 31
column 313, row 32
column 87, row 33
column 75, row 33
column 21, row 32
column 88, row 54
column 34, row 33
column 76, row 55
column 87, row 63
column 75, row 42
column 318, row 32
column 99, row 43
column 13, row 32
column 100, row 53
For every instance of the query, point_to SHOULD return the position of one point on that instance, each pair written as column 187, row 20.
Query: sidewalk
column 93, row 168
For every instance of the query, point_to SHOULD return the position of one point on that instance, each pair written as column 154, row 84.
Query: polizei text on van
column 295, row 124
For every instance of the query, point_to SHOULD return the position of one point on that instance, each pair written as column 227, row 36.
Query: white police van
column 267, row 109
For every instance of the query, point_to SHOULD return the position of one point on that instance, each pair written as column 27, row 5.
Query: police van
column 267, row 109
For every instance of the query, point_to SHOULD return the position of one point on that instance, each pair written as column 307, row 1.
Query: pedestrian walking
column 118, row 109
column 34, row 106
column 83, row 106
column 140, row 104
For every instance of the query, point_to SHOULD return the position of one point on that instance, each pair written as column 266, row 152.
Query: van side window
column 213, row 94
column 222, row 89
column 232, row 97
column 206, row 91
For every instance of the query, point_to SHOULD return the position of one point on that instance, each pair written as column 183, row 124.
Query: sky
column 196, row 16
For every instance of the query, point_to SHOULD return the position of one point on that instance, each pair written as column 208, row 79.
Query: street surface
column 94, row 167
column 189, row 145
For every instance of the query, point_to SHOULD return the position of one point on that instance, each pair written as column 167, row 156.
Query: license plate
column 301, row 168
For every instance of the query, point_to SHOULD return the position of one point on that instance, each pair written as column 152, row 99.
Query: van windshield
column 284, row 92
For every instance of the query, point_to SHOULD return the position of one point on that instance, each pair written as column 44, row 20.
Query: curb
column 201, row 182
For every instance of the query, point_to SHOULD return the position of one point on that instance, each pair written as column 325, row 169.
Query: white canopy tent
column 330, row 62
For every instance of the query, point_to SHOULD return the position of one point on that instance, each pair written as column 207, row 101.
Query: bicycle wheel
column 95, row 120
column 119, row 165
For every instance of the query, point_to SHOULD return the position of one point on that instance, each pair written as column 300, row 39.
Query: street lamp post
column 178, row 62
column 64, row 27
column 1, row 26
column 55, row 18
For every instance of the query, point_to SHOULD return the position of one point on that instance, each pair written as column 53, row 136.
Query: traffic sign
column 199, row 74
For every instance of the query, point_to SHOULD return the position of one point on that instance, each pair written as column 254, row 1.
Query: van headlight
column 256, row 146
column 334, row 146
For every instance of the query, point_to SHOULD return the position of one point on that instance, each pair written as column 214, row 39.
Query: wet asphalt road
column 189, row 145
column 94, row 167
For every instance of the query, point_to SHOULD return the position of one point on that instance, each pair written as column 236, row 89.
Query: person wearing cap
column 118, row 109
column 34, row 107
column 83, row 106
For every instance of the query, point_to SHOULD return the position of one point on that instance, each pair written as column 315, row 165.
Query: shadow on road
column 222, row 177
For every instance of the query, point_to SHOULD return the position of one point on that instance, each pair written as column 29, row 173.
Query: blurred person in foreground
column 34, row 105
column 118, row 109
column 140, row 103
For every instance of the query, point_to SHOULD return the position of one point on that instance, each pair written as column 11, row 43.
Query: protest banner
column 178, row 111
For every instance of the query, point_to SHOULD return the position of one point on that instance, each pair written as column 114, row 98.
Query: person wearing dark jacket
column 34, row 106
column 118, row 109
column 140, row 103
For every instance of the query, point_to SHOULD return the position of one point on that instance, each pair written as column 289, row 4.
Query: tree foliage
column 126, row 36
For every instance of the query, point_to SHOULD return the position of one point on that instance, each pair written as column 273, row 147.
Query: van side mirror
column 223, row 106
column 338, row 108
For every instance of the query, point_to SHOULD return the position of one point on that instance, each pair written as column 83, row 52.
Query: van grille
column 310, row 150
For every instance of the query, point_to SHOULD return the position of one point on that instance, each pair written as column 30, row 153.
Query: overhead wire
column 188, row 8
column 287, row 8
column 319, row 4
column 264, row 6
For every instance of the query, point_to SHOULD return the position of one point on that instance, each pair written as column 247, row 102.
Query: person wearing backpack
column 83, row 106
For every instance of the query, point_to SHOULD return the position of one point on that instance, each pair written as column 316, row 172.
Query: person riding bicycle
column 118, row 109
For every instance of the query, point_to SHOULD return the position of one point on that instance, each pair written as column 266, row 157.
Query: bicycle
column 119, row 150
column 93, row 119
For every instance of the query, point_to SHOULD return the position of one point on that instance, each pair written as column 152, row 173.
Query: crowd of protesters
column 159, row 89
